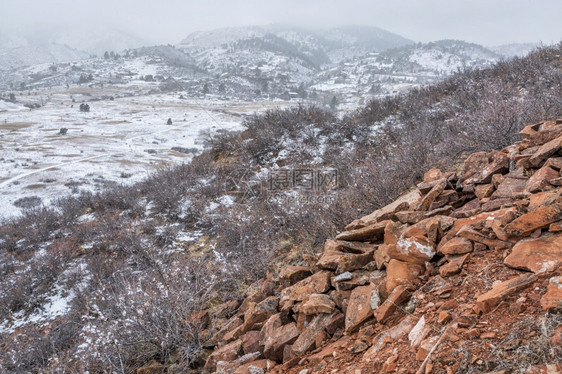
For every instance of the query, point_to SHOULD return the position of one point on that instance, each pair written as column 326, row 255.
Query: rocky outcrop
column 425, row 273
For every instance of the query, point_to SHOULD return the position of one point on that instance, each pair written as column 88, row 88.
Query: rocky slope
column 460, row 275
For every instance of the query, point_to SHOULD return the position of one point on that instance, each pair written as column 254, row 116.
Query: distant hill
column 38, row 54
column 514, row 49
column 91, row 38
column 394, row 70
column 337, row 43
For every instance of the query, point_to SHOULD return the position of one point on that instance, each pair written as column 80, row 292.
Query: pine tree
column 334, row 102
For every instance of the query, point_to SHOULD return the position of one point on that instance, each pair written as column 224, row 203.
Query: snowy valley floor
column 119, row 140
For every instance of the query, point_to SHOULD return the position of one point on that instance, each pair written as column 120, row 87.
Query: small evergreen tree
column 334, row 102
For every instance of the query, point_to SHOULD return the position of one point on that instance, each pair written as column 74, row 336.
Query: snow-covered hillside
column 396, row 70
column 92, row 38
column 334, row 43
column 56, row 149
column 38, row 54
column 515, row 49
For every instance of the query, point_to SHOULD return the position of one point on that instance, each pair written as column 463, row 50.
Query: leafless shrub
column 160, row 315
column 28, row 202
column 523, row 349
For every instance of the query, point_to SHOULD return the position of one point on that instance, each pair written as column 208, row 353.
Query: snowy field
column 118, row 141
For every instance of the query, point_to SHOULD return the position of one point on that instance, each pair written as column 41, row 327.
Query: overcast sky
column 487, row 22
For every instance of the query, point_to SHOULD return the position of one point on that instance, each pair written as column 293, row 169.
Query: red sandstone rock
column 318, row 303
column 540, row 180
column 537, row 255
column 228, row 352
column 552, row 299
column 401, row 273
column 317, row 283
column 545, row 151
column 490, row 299
column 359, row 308
column 398, row 296
column 456, row 246
column 537, row 219
column 275, row 343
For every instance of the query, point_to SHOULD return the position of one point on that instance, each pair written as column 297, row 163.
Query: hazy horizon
column 488, row 23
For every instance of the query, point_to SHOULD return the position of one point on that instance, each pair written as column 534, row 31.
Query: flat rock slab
column 374, row 232
column 538, row 219
column 409, row 198
column 536, row 255
column 398, row 296
column 456, row 246
column 545, row 151
column 417, row 250
column 492, row 298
